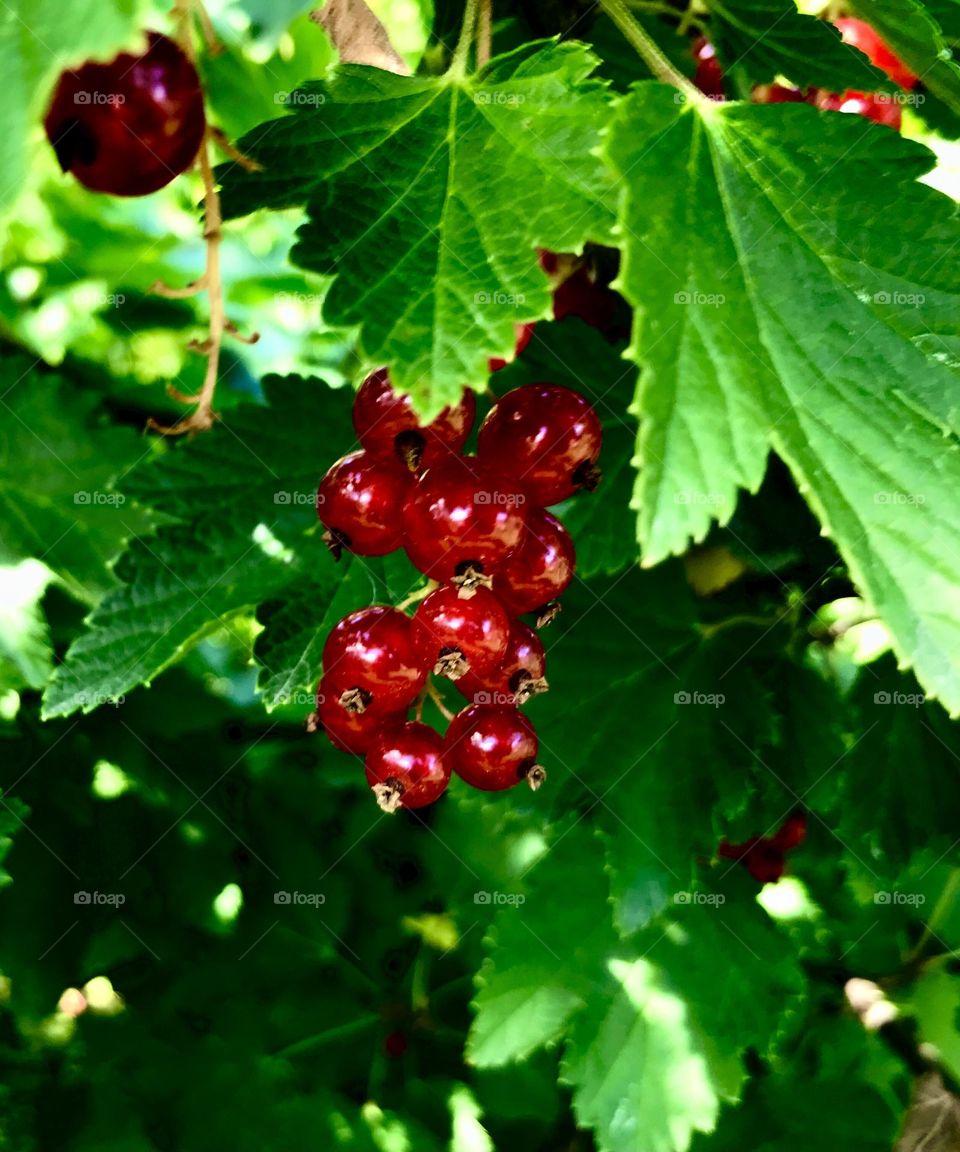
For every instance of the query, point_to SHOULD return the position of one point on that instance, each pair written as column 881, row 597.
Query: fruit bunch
column 877, row 106
column 477, row 526
column 764, row 857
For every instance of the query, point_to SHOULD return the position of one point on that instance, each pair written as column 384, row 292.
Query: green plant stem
column 330, row 1036
column 943, row 905
column 461, row 54
column 648, row 49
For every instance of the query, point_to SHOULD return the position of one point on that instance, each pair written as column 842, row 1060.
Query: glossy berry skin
column 523, row 666
column 477, row 627
column 406, row 768
column 541, row 568
column 372, row 650
column 388, row 427
column 359, row 502
column 491, row 747
column 709, row 74
column 860, row 35
column 130, row 126
column 352, row 732
column 875, row 106
column 546, row 437
column 460, row 513
column 777, row 94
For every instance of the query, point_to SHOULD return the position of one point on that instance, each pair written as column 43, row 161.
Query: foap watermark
column 701, row 299
column 299, row 98
column 504, row 499
column 496, row 96
column 313, row 899
column 702, row 699
column 899, row 498
column 683, row 98
column 503, row 299
column 484, row 897
column 710, row 499
column 502, row 699
column 712, row 898
column 91, row 97
column 112, row 300
column 114, row 899
column 91, row 700
column 296, row 499
column 110, row 499
column 297, row 297
column 287, row 699
column 900, row 299
column 915, row 899
column 909, row 699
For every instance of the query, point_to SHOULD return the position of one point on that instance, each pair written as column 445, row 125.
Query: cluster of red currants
column 478, row 527
column 764, row 857
column 877, row 106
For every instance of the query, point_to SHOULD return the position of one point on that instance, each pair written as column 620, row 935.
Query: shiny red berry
column 369, row 659
column 860, row 35
column 387, row 425
column 460, row 516
column 581, row 295
column 352, row 732
column 541, row 568
column 130, row 126
column 777, row 94
column 455, row 634
column 493, row 748
column 519, row 675
column 547, row 438
column 709, row 74
column 359, row 502
column 406, row 767
column 879, row 107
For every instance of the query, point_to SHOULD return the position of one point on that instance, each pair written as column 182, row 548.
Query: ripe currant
column 351, row 732
column 860, row 35
column 388, row 427
column 519, row 675
column 462, row 519
column 547, row 438
column 777, row 94
column 542, row 567
column 875, row 106
column 359, row 502
column 455, row 633
column 493, row 748
column 369, row 660
column 709, row 74
column 128, row 127
column 406, row 767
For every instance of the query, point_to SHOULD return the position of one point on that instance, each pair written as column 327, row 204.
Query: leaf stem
column 648, row 49
column 484, row 33
column 461, row 54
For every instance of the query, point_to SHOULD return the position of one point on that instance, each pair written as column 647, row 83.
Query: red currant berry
column 406, row 768
column 359, row 503
column 462, row 519
column 519, row 676
column 547, row 438
column 454, row 633
column 875, row 106
column 709, row 74
column 792, row 832
column 541, row 568
column 594, row 303
column 493, row 748
column 524, row 336
column 369, row 659
column 860, row 35
column 394, row 1045
column 387, row 425
column 777, row 94
column 351, row 732
column 761, row 857
column 130, row 126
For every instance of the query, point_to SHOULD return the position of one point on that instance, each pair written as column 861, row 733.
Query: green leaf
column 935, row 1002
column 742, row 231
column 59, row 462
column 13, row 813
column 38, row 39
column 428, row 197
column 766, row 38
column 25, row 646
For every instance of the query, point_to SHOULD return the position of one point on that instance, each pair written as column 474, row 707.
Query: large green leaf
column 429, row 196
column 742, row 230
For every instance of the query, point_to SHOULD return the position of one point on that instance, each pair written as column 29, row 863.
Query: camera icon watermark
column 101, row 499
column 701, row 299
column 499, row 898
column 714, row 899
column 913, row 899
column 299, row 98
column 902, row 299
column 96, row 699
column 313, row 899
column 114, row 899
column 99, row 98
column 900, row 499
column 495, row 96
column 298, row 499
column 909, row 699
column 502, row 499
column 701, row 699
column 700, row 499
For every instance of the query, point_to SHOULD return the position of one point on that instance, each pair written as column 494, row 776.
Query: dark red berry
column 462, row 515
column 455, row 633
column 369, row 659
column 876, row 106
column 493, row 748
column 394, row 1045
column 792, row 832
column 130, row 126
column 777, row 94
column 406, row 768
column 762, row 858
column 519, row 675
column 709, row 74
column 541, row 568
column 547, row 438
column 352, row 732
column 387, row 425
column 594, row 303
column 524, row 336
column 359, row 502
column 860, row 35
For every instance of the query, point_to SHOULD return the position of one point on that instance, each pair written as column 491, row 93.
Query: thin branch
column 649, row 51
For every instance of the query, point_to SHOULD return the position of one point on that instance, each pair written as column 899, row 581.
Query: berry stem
column 461, row 54
column 420, row 594
column 484, row 33
column 435, row 696
column 648, row 50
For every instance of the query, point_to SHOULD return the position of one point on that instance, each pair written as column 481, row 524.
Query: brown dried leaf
column 358, row 35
